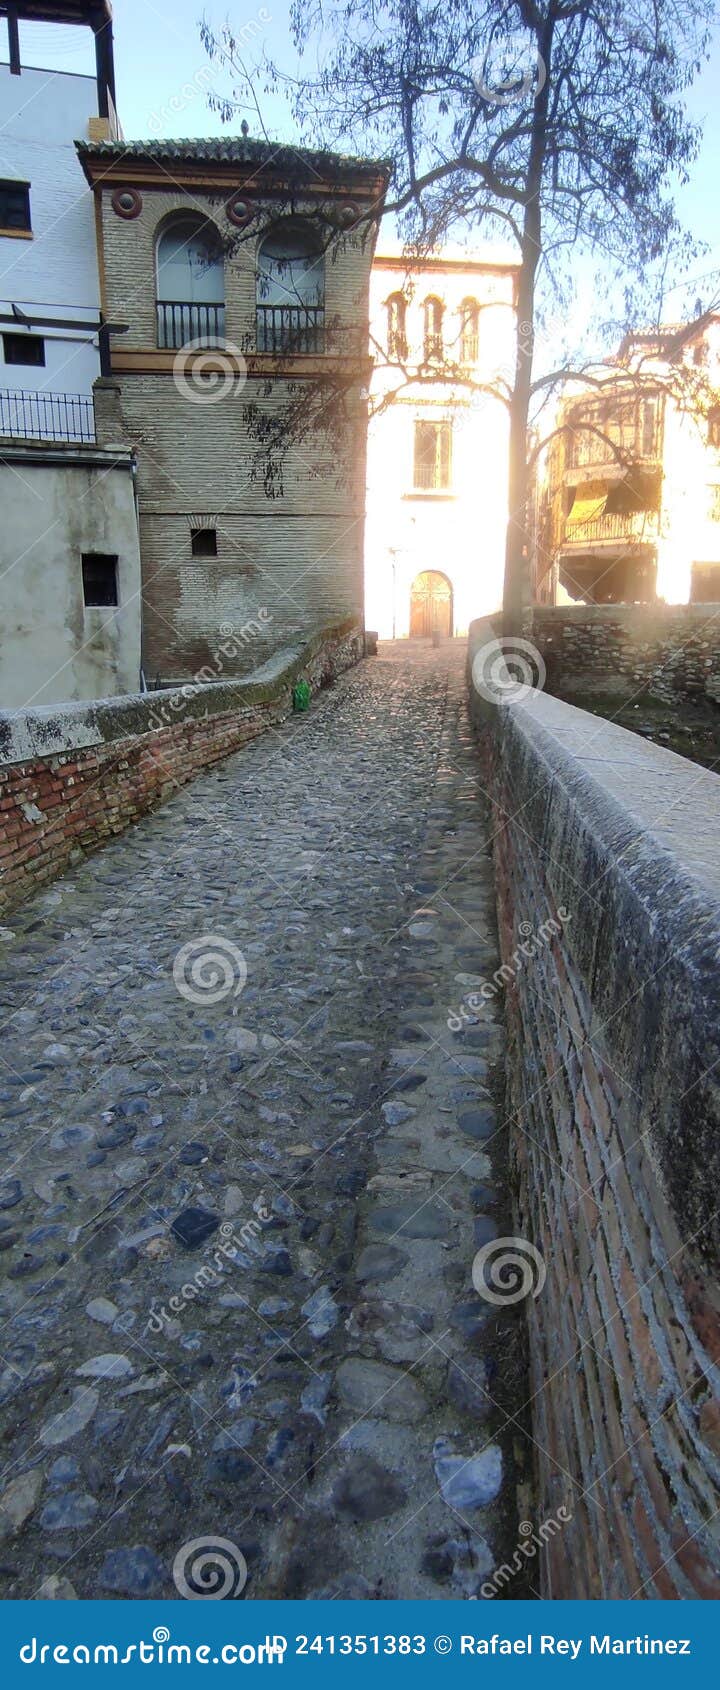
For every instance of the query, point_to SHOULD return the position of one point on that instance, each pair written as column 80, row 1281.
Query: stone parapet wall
column 72, row 776
column 672, row 650
column 609, row 845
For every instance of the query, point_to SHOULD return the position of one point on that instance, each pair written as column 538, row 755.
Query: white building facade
column 69, row 548
column 442, row 336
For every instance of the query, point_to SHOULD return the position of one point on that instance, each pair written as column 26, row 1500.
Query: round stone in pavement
column 412, row 1220
column 478, row 1123
column 367, row 1387
column 134, row 1571
column 193, row 1226
column 380, row 1261
column 366, row 1490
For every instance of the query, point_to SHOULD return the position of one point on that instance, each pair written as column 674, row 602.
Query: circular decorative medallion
column 126, row 202
column 239, row 211
column 347, row 213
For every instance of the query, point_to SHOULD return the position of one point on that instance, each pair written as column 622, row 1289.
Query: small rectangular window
column 203, row 542
column 433, row 441
column 23, row 349
column 15, row 208
column 99, row 578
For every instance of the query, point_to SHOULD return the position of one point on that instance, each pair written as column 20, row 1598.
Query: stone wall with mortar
column 672, row 650
column 613, row 1056
column 72, row 776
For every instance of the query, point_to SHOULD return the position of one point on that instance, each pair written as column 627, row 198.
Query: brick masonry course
column 73, row 776
column 613, row 1052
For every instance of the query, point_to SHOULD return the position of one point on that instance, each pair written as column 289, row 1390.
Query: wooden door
column 431, row 608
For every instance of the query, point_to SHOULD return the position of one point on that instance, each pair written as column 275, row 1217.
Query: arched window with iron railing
column 190, row 284
column 396, row 308
column 469, row 331
column 433, row 335
column 291, row 290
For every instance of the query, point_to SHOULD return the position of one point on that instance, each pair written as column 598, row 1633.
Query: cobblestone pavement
column 242, row 1196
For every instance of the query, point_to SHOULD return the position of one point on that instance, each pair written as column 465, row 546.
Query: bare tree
column 559, row 122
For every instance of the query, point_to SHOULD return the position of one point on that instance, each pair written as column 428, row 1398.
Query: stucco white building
column 442, row 336
column 69, row 548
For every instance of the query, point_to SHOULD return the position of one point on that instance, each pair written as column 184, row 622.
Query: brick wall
column 673, row 650
column 615, row 1114
column 73, row 776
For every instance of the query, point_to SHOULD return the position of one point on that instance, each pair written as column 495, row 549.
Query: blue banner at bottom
column 398, row 1643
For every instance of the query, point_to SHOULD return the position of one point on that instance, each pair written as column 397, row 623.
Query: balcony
column 179, row 322
column 629, row 434
column 633, row 527
column 56, row 417
column 290, row 328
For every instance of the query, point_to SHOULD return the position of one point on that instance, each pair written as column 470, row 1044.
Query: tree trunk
column 518, row 593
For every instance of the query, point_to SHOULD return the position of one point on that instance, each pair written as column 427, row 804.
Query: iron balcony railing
column 634, row 525
column 179, row 322
column 25, row 415
column 290, row 328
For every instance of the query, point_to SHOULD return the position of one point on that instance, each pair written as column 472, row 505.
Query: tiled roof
column 239, row 150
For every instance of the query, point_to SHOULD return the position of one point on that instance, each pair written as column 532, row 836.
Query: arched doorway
column 431, row 605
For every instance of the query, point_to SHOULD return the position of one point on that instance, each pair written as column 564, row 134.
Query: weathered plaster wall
column 57, row 504
column 673, row 650
column 613, row 1058
column 72, row 777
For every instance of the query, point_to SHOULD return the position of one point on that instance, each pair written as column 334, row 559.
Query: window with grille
column 470, row 320
column 396, row 336
column 23, row 349
column 433, row 330
column 433, row 455
column 99, row 578
column 15, row 207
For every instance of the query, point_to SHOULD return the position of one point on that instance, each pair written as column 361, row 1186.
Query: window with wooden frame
column 432, row 465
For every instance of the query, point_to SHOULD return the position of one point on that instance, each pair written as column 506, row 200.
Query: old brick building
column 235, row 277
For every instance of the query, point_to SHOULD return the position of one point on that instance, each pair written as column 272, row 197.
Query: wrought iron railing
column 613, row 441
column 290, row 328
column 26, row 415
column 179, row 322
column 632, row 525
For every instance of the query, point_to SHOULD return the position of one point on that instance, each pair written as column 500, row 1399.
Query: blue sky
column 159, row 54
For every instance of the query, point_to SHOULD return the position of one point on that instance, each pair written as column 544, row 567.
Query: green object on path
column 301, row 696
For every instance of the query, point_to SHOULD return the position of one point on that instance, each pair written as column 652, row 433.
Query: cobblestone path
column 241, row 1197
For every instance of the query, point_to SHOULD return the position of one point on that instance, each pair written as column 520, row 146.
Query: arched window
column 291, row 291
column 469, row 324
column 396, row 335
column 433, row 329
column 190, row 283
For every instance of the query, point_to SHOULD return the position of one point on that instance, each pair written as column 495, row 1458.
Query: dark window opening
column 23, row 349
column 433, row 451
column 596, row 579
column 203, row 542
column 396, row 335
column 705, row 583
column 714, row 426
column 15, row 206
column 433, row 336
column 99, row 578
